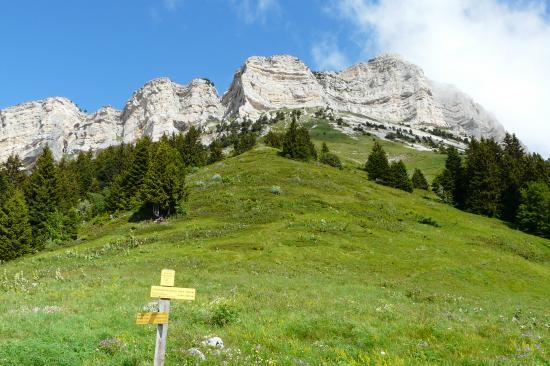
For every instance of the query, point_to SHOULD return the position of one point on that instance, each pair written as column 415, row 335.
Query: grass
column 328, row 270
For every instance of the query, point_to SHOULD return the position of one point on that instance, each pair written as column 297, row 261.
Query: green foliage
column 274, row 139
column 450, row 184
column 190, row 146
column 42, row 198
column 329, row 158
column 418, row 180
column 534, row 211
column 245, row 141
column 15, row 230
column 484, row 177
column 163, row 185
column 13, row 168
column 215, row 152
column 377, row 165
column 297, row 143
column 428, row 221
column 223, row 313
column 398, row 177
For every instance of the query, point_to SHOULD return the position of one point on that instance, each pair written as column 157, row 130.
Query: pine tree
column 14, row 171
column 42, row 198
column 85, row 172
column 273, row 139
column 297, row 143
column 4, row 186
column 418, row 180
column 534, row 211
column 15, row 230
column 132, row 180
column 399, row 178
column 163, row 186
column 513, row 177
column 484, row 177
column 191, row 148
column 244, row 142
column 215, row 152
column 377, row 165
column 450, row 185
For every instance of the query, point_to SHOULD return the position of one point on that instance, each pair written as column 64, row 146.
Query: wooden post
column 162, row 333
column 164, row 293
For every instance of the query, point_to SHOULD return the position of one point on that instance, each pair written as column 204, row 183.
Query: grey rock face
column 164, row 107
column 386, row 89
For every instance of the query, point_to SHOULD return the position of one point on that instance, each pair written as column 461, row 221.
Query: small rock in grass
column 215, row 342
column 276, row 190
column 195, row 352
column 216, row 178
column 111, row 345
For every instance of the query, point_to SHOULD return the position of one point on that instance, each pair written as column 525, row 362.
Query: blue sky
column 98, row 52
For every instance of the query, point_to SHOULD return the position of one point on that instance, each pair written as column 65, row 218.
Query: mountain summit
column 386, row 90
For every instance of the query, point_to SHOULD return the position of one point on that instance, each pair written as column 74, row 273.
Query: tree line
column 46, row 206
column 499, row 180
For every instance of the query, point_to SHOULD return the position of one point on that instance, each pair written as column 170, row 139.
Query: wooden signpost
column 165, row 292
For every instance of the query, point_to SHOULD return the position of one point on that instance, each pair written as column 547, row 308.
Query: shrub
column 329, row 158
column 224, row 313
column 428, row 221
column 273, row 139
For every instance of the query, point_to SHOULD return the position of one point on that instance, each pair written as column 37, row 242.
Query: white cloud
column 498, row 53
column 255, row 10
column 327, row 56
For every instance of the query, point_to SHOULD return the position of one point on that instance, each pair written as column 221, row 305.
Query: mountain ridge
column 386, row 89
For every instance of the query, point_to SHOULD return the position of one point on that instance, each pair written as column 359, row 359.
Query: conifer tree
column 4, row 186
column 132, row 180
column 534, row 211
column 399, row 178
column 14, row 171
column 273, row 139
column 244, row 142
column 42, row 197
column 15, row 230
column 450, row 184
column 484, row 177
column 191, row 148
column 163, row 186
column 377, row 165
column 418, row 180
column 513, row 176
column 215, row 152
column 297, row 143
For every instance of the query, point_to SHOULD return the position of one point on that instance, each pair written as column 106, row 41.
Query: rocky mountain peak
column 386, row 89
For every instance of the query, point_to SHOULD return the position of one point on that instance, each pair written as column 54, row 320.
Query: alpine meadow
column 384, row 199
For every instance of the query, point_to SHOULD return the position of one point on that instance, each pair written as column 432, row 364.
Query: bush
column 428, row 221
column 224, row 313
column 331, row 159
column 273, row 139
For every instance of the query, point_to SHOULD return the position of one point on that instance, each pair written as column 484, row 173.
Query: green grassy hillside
column 333, row 270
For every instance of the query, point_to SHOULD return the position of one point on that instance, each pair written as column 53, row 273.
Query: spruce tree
column 132, row 180
column 191, row 148
column 273, row 139
column 163, row 186
column 450, row 184
column 15, row 230
column 42, row 197
column 245, row 141
column 534, row 211
column 377, row 165
column 14, row 171
column 418, row 180
column 398, row 177
column 297, row 143
column 484, row 177
column 215, row 152
column 513, row 176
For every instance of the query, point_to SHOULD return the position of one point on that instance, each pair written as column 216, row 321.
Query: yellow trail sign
column 152, row 318
column 175, row 293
